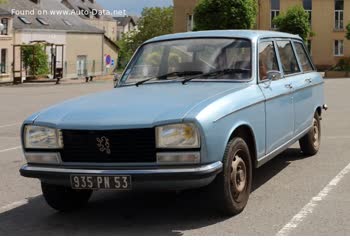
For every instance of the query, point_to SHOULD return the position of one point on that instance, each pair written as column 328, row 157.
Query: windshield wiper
column 180, row 74
column 217, row 73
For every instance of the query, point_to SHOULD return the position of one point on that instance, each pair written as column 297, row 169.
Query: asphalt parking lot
column 292, row 195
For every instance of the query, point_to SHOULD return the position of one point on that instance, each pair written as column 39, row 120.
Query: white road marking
column 308, row 208
column 10, row 149
column 13, row 205
column 9, row 125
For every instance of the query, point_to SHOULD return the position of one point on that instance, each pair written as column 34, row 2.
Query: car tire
column 310, row 143
column 232, row 186
column 63, row 198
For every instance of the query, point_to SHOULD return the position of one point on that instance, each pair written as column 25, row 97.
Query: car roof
column 249, row 34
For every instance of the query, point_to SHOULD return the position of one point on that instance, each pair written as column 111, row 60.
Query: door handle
column 289, row 86
column 308, row 80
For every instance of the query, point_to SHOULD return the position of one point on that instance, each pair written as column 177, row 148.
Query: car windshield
column 227, row 58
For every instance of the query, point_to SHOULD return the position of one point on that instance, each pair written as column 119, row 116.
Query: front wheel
column 64, row 198
column 233, row 185
column 310, row 143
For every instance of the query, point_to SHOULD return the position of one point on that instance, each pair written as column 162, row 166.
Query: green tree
column 154, row 22
column 35, row 59
column 294, row 21
column 348, row 31
column 225, row 14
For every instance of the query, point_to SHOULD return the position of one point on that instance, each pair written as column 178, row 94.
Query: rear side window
column 304, row 60
column 288, row 58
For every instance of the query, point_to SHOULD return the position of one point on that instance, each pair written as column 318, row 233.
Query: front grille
column 126, row 146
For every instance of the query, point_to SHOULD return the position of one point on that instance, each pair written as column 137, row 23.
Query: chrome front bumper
column 177, row 178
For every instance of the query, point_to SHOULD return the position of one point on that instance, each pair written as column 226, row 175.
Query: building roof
column 123, row 21
column 3, row 12
column 87, row 5
column 62, row 22
column 112, row 42
column 249, row 34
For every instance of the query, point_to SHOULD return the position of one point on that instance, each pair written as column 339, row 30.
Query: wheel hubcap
column 238, row 175
column 316, row 133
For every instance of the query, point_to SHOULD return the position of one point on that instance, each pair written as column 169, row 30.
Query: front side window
column 288, row 59
column 171, row 60
column 304, row 60
column 267, row 59
column 338, row 48
column 339, row 14
column 5, row 22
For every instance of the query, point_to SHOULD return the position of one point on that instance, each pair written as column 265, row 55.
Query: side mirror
column 274, row 75
column 271, row 76
column 116, row 79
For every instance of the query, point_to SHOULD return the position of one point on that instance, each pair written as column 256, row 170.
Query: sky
column 133, row 7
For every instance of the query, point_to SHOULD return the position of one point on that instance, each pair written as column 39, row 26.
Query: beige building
column 328, row 20
column 6, row 41
column 91, row 10
column 85, row 51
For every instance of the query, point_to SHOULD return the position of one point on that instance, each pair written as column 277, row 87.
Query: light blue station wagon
column 190, row 110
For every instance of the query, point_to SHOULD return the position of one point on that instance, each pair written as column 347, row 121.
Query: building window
column 338, row 48
column 339, row 14
column 307, row 4
column 190, row 23
column 5, row 22
column 84, row 12
column 42, row 21
column 68, row 23
column 24, row 20
column 275, row 11
column 3, row 62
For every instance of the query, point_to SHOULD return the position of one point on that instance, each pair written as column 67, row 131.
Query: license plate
column 101, row 182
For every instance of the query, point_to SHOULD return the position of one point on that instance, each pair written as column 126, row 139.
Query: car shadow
column 136, row 214
column 263, row 174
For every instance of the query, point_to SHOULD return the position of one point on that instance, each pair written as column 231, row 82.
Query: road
column 292, row 195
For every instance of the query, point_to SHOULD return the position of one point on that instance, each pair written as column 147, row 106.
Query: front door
column 279, row 100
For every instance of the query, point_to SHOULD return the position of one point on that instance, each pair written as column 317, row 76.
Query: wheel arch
column 246, row 132
column 319, row 110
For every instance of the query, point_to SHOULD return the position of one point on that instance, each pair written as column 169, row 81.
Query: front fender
column 216, row 134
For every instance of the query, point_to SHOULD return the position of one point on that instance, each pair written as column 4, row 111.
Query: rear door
column 279, row 100
column 303, row 90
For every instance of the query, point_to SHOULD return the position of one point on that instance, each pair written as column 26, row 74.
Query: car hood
column 130, row 107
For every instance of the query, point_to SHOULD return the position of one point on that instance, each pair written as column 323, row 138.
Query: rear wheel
column 233, row 185
column 310, row 143
column 64, row 198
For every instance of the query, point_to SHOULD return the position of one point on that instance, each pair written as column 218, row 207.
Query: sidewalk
column 108, row 78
